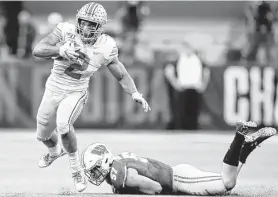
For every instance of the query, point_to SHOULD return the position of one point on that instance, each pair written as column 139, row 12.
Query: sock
column 75, row 165
column 56, row 150
column 246, row 150
column 233, row 154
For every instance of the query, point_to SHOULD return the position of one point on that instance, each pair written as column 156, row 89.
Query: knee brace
column 64, row 128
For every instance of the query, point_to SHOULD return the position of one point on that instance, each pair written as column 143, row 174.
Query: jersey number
column 127, row 155
column 113, row 174
column 69, row 72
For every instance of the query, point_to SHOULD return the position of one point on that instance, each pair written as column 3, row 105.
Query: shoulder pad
column 58, row 30
column 64, row 30
column 107, row 46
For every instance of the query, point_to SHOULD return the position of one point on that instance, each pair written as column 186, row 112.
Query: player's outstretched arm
column 142, row 183
column 118, row 70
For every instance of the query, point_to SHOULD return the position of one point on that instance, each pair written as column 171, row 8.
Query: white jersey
column 63, row 77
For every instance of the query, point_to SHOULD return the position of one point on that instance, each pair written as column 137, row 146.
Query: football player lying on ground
column 130, row 174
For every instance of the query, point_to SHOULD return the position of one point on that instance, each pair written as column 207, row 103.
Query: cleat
column 80, row 181
column 253, row 140
column 243, row 127
column 47, row 159
column 261, row 135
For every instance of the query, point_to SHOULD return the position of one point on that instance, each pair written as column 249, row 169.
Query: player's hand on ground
column 68, row 52
column 136, row 96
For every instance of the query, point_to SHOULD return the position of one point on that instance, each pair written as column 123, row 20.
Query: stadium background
column 212, row 27
column 237, row 90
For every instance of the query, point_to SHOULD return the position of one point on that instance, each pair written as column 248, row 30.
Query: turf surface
column 20, row 175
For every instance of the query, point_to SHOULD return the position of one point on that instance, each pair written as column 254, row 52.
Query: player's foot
column 80, row 181
column 47, row 159
column 253, row 140
column 261, row 135
column 244, row 128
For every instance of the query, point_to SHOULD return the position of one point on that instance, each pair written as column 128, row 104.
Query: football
column 72, row 45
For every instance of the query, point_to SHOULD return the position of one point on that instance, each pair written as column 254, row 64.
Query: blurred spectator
column 170, row 60
column 126, row 51
column 27, row 34
column 188, row 78
column 144, row 52
column 131, row 15
column 53, row 19
column 2, row 36
column 260, row 17
column 11, row 11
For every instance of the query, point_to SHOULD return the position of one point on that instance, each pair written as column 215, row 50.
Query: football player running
column 130, row 174
column 78, row 50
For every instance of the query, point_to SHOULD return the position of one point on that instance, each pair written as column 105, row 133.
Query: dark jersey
column 150, row 168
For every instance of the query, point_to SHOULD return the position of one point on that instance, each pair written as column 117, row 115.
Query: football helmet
column 96, row 160
column 96, row 15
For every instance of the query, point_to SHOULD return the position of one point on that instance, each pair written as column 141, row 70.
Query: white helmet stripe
column 89, row 6
column 92, row 9
column 95, row 8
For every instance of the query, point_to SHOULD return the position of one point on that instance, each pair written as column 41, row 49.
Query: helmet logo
column 99, row 150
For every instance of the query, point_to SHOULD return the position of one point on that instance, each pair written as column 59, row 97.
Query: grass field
column 20, row 176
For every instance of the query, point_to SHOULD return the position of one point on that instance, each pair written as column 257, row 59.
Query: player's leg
column 231, row 162
column 68, row 111
column 190, row 180
column 252, row 141
column 45, row 132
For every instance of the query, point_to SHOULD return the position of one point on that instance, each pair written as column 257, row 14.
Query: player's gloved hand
column 136, row 96
column 83, row 60
column 68, row 52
